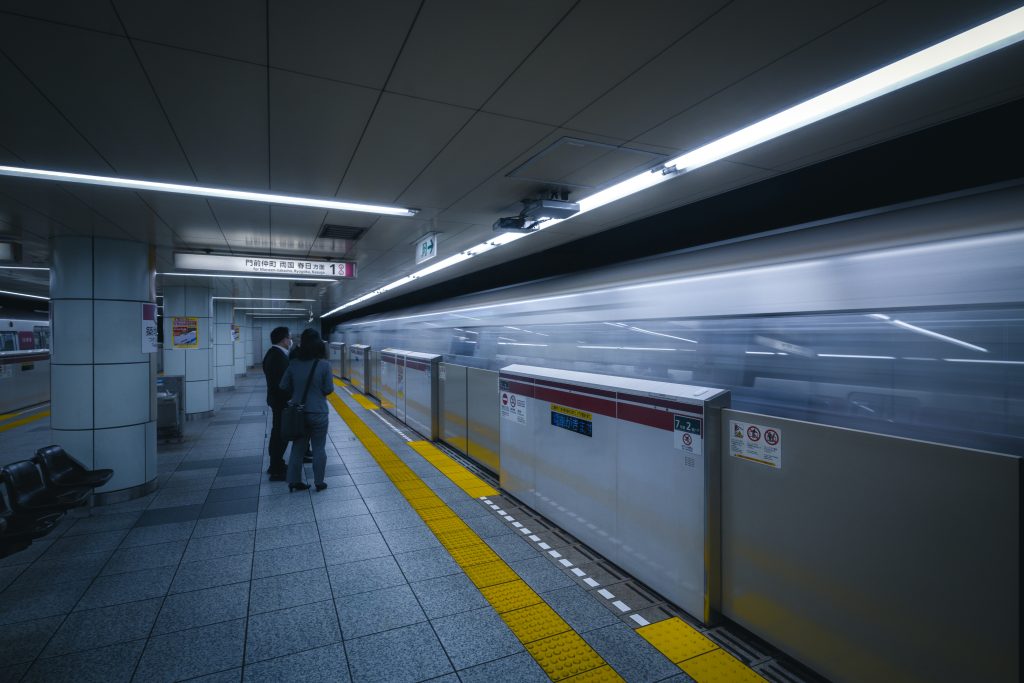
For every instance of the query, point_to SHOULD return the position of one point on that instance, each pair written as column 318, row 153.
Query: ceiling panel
column 555, row 83
column 744, row 37
column 460, row 51
column 485, row 146
column 315, row 125
column 103, row 93
column 238, row 223
column 218, row 107
column 355, row 42
column 401, row 139
column 27, row 202
column 230, row 28
column 98, row 15
column 867, row 42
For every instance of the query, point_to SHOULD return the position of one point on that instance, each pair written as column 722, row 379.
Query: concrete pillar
column 102, row 380
column 195, row 365
column 223, row 346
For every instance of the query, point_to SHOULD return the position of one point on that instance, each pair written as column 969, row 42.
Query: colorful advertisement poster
column 185, row 333
column 236, row 333
column 149, row 339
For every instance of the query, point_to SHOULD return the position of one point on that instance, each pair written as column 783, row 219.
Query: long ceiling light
column 27, row 296
column 203, row 191
column 22, row 268
column 977, row 42
column 254, row 298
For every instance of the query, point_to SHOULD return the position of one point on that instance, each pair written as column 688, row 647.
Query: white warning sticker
column 688, row 436
column 756, row 443
column 513, row 407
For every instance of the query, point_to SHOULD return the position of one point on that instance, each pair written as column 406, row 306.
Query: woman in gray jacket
column 309, row 356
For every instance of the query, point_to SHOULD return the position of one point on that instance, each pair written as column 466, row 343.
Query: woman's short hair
column 310, row 345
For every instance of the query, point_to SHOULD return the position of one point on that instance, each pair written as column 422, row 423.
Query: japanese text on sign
column 756, row 443
column 688, row 434
column 268, row 266
column 149, row 336
column 513, row 407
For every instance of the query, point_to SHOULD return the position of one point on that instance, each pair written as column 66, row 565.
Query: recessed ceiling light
column 203, row 191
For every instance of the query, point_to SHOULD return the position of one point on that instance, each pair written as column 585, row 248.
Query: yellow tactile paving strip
column 695, row 654
column 24, row 421
column 460, row 476
column 359, row 398
column 559, row 651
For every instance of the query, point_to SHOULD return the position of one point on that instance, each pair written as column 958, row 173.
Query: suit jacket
column 275, row 364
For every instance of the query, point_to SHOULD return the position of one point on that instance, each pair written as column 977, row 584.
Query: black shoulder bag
column 293, row 418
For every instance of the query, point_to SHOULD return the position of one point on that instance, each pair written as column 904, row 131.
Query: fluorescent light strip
column 251, row 298
column 22, row 268
column 269, row 308
column 629, row 348
column 203, row 191
column 992, row 362
column 960, row 49
column 517, row 344
column 851, row 355
column 27, row 296
column 253, row 277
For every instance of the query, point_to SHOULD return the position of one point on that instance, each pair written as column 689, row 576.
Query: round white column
column 223, row 347
column 248, row 333
column 195, row 365
column 102, row 380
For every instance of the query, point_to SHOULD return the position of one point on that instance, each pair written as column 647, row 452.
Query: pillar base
column 131, row 493
column 199, row 416
column 223, row 389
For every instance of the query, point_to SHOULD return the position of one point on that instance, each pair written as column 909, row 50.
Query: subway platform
column 407, row 567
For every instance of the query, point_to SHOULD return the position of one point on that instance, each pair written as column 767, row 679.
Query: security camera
column 536, row 211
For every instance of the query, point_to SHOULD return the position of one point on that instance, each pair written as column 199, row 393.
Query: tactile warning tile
column 603, row 673
column 463, row 478
column 718, row 666
column 444, row 513
column 564, row 655
column 534, row 622
column 442, row 525
column 676, row 639
column 490, row 574
column 473, row 554
column 506, row 597
column 365, row 402
column 458, row 539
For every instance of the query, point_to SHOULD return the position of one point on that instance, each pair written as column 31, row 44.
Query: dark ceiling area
column 973, row 151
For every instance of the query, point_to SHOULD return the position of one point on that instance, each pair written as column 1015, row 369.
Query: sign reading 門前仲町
column 266, row 265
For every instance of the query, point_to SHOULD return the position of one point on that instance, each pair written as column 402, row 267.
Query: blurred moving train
column 907, row 320
column 24, row 363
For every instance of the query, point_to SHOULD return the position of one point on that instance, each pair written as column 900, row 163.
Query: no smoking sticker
column 688, row 435
column 756, row 443
column 513, row 407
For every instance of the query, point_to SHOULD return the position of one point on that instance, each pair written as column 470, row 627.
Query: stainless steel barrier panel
column 421, row 399
column 392, row 383
column 374, row 374
column 482, row 417
column 628, row 466
column 871, row 557
column 452, row 390
column 359, row 367
column 336, row 354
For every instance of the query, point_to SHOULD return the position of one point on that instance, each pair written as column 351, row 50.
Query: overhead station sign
column 265, row 265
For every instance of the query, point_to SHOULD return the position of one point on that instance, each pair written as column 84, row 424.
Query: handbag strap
column 309, row 380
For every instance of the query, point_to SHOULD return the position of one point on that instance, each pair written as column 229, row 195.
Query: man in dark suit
column 275, row 362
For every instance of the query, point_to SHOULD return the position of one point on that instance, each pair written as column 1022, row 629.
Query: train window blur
column 41, row 336
column 8, row 341
column 951, row 376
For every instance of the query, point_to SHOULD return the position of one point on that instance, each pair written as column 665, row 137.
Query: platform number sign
column 688, row 434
